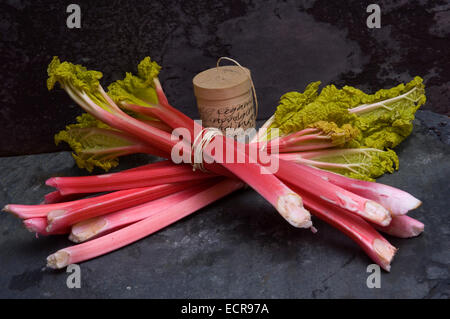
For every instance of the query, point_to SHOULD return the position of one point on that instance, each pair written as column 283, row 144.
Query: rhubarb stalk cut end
column 58, row 260
column 385, row 252
column 377, row 213
column 55, row 214
column 417, row 230
column 291, row 208
column 74, row 239
column 87, row 229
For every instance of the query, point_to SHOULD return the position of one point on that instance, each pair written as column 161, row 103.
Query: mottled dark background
column 237, row 247
column 286, row 44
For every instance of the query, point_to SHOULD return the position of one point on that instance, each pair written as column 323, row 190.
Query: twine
column 198, row 147
column 255, row 98
column 199, row 144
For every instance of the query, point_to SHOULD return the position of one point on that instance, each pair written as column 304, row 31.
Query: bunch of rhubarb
column 327, row 140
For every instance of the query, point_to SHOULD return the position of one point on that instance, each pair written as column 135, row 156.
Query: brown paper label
column 241, row 115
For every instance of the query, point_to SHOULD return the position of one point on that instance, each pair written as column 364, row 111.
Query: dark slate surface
column 239, row 246
column 286, row 44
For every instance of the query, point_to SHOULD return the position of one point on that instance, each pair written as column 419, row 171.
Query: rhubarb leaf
column 384, row 118
column 76, row 75
column 94, row 143
column 376, row 121
column 76, row 80
column 341, row 136
column 137, row 89
column 291, row 103
column 361, row 163
column 384, row 123
column 299, row 110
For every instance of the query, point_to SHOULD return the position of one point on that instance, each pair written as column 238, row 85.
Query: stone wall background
column 286, row 44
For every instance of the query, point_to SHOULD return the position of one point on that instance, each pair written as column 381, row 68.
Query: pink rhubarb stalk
column 304, row 179
column 116, row 118
column 141, row 229
column 305, row 147
column 31, row 211
column 304, row 140
column 126, row 180
column 398, row 202
column 101, row 225
column 38, row 225
column 56, row 197
column 403, row 227
column 375, row 245
column 59, row 201
column 301, row 141
column 65, row 217
column 287, row 203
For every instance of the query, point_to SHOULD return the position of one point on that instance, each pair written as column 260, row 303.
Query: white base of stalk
column 58, row 260
column 385, row 252
column 80, row 234
column 291, row 208
column 378, row 213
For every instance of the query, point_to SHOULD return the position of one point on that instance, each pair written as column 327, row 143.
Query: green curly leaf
column 94, row 143
column 137, row 89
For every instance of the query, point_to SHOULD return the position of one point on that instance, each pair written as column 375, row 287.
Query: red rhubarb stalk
column 288, row 204
column 101, row 225
column 403, row 227
column 56, row 197
column 397, row 201
column 305, row 147
column 62, row 218
column 31, row 211
column 126, row 180
column 141, row 229
column 38, row 225
column 304, row 179
column 375, row 245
